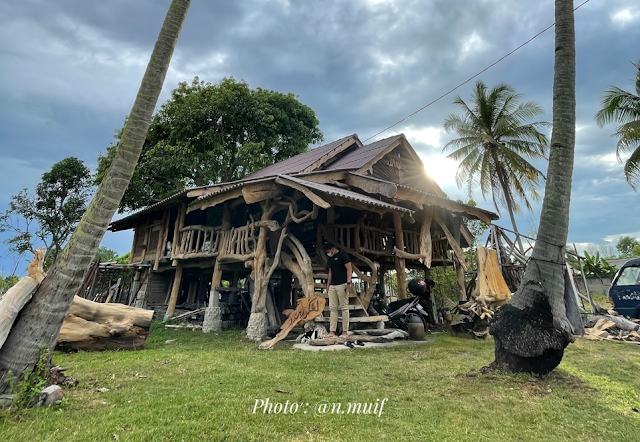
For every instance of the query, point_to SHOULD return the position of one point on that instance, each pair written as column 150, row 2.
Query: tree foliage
column 210, row 133
column 626, row 245
column 496, row 142
column 624, row 107
column 50, row 216
column 105, row 254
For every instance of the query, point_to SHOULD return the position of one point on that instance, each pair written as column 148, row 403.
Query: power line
column 471, row 78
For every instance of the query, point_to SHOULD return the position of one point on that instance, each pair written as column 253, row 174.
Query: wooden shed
column 264, row 234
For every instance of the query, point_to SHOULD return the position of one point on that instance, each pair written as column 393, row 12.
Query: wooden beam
column 175, row 291
column 328, row 177
column 306, row 192
column 341, row 148
column 214, row 200
column 418, row 197
column 253, row 193
column 452, row 242
column 372, row 186
column 400, row 268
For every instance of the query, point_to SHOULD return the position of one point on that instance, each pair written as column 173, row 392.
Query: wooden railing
column 237, row 241
column 376, row 241
column 197, row 240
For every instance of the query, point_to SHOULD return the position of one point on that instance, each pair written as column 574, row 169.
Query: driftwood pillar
column 263, row 268
column 175, row 291
column 400, row 263
column 212, row 314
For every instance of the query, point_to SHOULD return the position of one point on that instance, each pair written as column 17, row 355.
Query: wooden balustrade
column 196, row 240
column 376, row 241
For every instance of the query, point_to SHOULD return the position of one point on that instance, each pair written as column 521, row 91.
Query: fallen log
column 18, row 295
column 620, row 322
column 94, row 326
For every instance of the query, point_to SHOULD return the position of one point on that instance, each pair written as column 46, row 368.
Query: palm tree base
column 527, row 341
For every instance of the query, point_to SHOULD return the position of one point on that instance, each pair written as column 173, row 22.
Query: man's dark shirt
column 338, row 269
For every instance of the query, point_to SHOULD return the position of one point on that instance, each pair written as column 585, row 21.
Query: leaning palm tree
column 495, row 144
column 39, row 323
column 533, row 329
column 624, row 107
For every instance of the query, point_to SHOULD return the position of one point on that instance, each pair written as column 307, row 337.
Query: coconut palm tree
column 624, row 107
column 496, row 142
column 39, row 323
column 533, row 329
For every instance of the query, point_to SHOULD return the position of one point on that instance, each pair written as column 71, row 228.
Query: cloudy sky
column 70, row 69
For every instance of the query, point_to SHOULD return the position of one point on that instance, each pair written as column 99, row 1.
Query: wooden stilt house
column 374, row 201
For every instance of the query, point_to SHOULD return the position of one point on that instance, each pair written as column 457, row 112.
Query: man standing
column 338, row 286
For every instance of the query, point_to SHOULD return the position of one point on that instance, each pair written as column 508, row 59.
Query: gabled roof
column 360, row 157
column 300, row 162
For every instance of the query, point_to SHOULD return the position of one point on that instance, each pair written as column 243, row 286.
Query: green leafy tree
column 124, row 259
column 635, row 251
column 40, row 320
column 49, row 217
column 106, row 254
column 625, row 246
column 624, row 107
column 210, row 133
column 6, row 282
column 496, row 142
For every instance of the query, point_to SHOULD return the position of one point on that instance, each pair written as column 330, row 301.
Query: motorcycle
column 400, row 312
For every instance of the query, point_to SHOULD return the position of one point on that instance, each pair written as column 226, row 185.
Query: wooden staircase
column 357, row 312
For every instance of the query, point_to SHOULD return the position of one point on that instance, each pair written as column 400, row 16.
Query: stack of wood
column 612, row 327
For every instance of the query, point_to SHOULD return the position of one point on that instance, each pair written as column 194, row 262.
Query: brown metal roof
column 360, row 157
column 348, row 194
column 300, row 162
column 124, row 224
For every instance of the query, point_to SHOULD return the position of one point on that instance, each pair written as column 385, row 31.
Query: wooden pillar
column 457, row 225
column 400, row 263
column 162, row 238
column 462, row 293
column 175, row 248
column 226, row 216
column 175, row 291
column 214, row 296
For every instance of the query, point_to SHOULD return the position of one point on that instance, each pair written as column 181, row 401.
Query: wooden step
column 379, row 318
column 351, row 307
column 326, row 296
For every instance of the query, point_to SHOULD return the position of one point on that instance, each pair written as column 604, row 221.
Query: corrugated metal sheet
column 360, row 157
column 122, row 224
column 347, row 194
column 491, row 215
column 300, row 162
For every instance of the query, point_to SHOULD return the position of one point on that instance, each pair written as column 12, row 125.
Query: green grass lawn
column 204, row 388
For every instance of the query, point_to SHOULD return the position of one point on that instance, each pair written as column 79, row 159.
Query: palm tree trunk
column 508, row 200
column 532, row 330
column 39, row 323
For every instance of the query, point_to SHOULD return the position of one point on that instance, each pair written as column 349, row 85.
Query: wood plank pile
column 612, row 327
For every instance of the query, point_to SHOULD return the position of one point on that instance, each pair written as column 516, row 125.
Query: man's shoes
column 359, row 343
column 349, row 344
